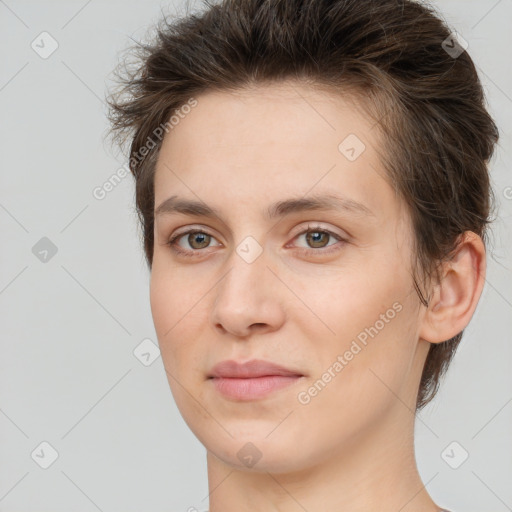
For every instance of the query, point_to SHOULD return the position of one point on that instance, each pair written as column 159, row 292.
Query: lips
column 256, row 379
column 250, row 369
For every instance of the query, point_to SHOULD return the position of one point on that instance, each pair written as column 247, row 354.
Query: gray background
column 70, row 325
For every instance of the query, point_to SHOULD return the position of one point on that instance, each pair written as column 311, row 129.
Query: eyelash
column 172, row 243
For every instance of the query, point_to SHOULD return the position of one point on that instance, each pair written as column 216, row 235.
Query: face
column 325, row 292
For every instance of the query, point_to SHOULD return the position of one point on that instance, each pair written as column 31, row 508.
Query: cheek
column 377, row 352
column 367, row 318
column 162, row 301
column 348, row 300
column 168, row 311
column 175, row 308
column 171, row 297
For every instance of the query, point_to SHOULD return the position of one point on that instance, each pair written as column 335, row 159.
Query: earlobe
column 456, row 296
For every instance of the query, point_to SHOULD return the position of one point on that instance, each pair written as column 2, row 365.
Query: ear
column 455, row 297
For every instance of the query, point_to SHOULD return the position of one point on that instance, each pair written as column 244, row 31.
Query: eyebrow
column 174, row 205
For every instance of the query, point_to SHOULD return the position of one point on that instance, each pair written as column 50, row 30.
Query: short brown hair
column 393, row 55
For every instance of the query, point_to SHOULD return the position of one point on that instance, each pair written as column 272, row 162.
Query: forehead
column 257, row 116
column 256, row 144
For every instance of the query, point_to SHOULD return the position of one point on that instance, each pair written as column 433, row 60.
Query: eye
column 317, row 237
column 195, row 236
column 199, row 239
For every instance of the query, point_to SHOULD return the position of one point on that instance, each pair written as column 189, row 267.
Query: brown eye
column 196, row 239
column 317, row 238
column 202, row 239
column 318, row 241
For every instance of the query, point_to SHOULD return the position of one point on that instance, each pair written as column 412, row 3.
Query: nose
column 248, row 299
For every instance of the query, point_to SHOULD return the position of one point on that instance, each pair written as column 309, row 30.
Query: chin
column 260, row 452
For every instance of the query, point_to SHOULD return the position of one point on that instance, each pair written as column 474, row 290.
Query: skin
column 351, row 448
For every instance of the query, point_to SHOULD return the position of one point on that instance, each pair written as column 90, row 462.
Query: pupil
column 199, row 238
column 315, row 237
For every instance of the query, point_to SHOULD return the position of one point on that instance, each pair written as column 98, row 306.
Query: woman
column 312, row 184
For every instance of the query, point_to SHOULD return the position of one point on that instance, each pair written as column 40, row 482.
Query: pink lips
column 251, row 380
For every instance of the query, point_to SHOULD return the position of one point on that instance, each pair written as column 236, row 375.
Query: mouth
column 251, row 380
column 252, row 388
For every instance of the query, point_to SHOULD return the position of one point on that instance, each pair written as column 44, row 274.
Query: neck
column 375, row 471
